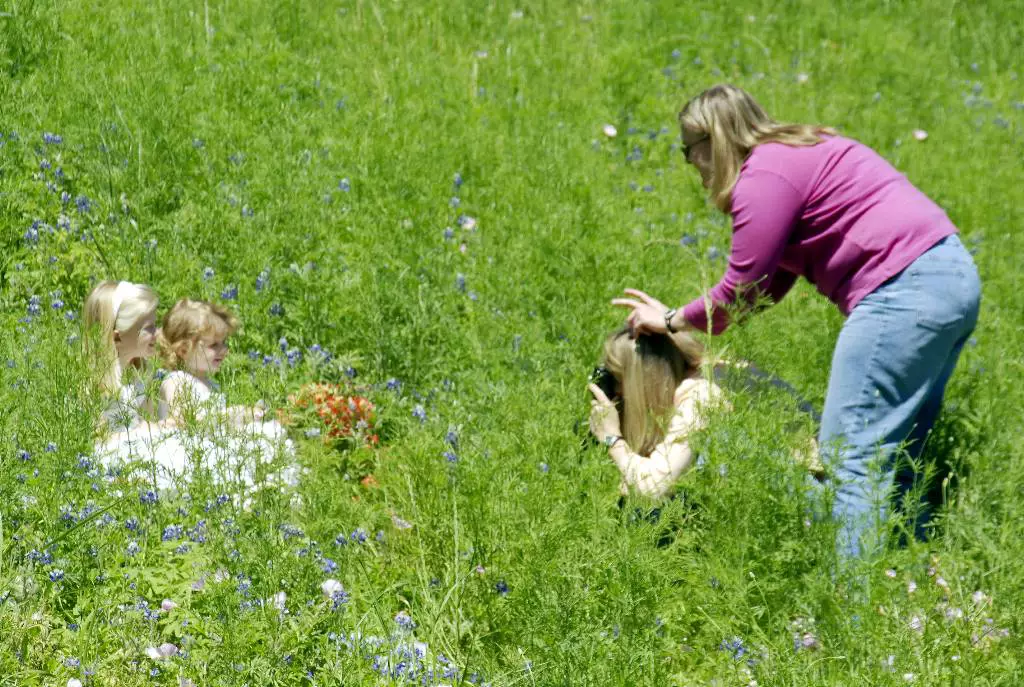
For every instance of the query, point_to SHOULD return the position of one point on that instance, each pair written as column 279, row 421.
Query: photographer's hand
column 604, row 416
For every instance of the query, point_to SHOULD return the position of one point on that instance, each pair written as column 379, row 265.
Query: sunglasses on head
column 688, row 148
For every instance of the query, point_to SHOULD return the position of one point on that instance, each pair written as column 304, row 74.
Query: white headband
column 125, row 289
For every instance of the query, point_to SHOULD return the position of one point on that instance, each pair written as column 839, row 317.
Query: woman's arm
column 765, row 209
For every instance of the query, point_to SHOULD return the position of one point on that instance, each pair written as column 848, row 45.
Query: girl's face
column 206, row 356
column 139, row 341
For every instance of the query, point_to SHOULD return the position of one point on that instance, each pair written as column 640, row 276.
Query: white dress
column 172, row 455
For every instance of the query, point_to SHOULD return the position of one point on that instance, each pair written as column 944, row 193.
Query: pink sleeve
column 765, row 209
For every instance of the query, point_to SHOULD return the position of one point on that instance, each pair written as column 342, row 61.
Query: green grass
column 221, row 130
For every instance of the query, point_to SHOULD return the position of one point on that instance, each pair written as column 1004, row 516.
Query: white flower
column 916, row 624
column 941, row 582
column 330, row 587
column 920, row 134
column 908, row 677
column 168, row 605
column 911, row 587
column 891, row 574
column 278, row 600
column 979, row 597
column 803, row 77
column 609, row 130
column 74, row 682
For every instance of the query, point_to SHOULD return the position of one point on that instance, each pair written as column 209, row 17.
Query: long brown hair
column 735, row 124
column 648, row 369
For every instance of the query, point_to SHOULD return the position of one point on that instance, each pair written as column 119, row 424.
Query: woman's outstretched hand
column 647, row 315
column 604, row 416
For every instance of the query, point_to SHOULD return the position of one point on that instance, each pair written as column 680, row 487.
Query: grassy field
column 424, row 189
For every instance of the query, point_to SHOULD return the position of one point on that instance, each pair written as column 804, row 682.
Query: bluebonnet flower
column 131, row 524
column 341, row 539
column 198, row 143
column 419, row 413
column 46, row 558
column 148, row 497
column 182, row 549
column 44, row 164
column 51, row 447
column 52, row 139
column 466, row 222
column 687, row 240
column 56, row 575
column 734, row 647
column 262, row 279
column 294, row 355
column 676, row 54
column 393, row 385
column 404, row 622
column 57, row 304
column 457, row 180
column 450, row 457
column 254, row 355
column 452, row 438
column 339, row 598
column 32, row 233
column 455, row 202
column 449, row 233
column 24, row 455
column 714, row 253
column 229, row 293
column 501, row 587
column 171, row 533
column 460, row 282
column 83, row 204
column 247, row 211
column 84, row 462
column 277, row 309
column 544, row 467
column 70, row 317
column 344, row 185
column 359, row 535
column 236, row 158
column 208, row 274
column 72, row 662
column 473, row 296
column 328, row 566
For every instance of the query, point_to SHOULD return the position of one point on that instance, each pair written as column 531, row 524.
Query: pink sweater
column 836, row 213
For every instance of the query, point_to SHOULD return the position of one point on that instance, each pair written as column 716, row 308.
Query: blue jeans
column 894, row 356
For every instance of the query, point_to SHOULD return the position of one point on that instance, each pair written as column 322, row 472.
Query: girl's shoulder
column 697, row 389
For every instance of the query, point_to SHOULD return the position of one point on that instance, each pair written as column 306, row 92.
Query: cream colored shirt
column 654, row 475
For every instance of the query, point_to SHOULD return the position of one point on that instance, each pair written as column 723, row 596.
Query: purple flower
column 328, row 566
column 359, row 535
column 403, row 621
column 419, row 413
column 449, row 233
column 460, row 282
column 450, row 457
column 171, row 533
column 83, row 204
column 229, row 293
column 262, row 280
column 393, row 385
column 51, row 447
column 277, row 309
column 56, row 575
column 544, row 467
column 52, row 139
column 457, row 180
column 501, row 587
column 734, row 647
column 32, row 233
column 344, row 185
column 148, row 497
column 452, row 438
column 208, row 274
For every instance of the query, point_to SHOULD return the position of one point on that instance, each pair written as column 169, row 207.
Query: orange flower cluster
column 342, row 414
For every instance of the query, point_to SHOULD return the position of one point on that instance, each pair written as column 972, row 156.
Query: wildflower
column 460, row 282
column 609, row 130
column 911, row 587
column 419, row 413
column 344, row 185
column 403, row 621
column 734, row 647
column 457, row 180
column 172, row 533
column 359, row 535
column 83, row 204
column 714, row 253
column 277, row 309
column 52, row 139
column 24, row 455
column 544, row 467
column 979, row 597
column 803, row 77
column 891, row 574
column 501, row 587
column 33, row 307
column 229, row 293
column 450, row 457
column 920, row 135
column 51, row 448
column 454, row 202
column 449, row 233
column 167, row 605
column 329, row 566
column 56, row 304
column 916, row 624
column 56, row 575
column 278, row 601
column 466, row 222
column 399, row 523
column 262, row 279
column 44, row 165
column 133, row 548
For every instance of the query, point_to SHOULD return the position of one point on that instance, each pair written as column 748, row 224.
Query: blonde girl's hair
column 187, row 323
column 735, row 124
column 113, row 306
column 649, row 368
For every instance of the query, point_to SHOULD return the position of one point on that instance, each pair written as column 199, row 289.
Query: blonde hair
column 113, row 306
column 188, row 322
column 735, row 124
column 649, row 368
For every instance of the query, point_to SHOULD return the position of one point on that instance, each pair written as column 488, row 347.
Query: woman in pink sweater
column 807, row 202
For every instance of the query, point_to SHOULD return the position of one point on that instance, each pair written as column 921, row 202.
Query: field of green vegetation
column 423, row 199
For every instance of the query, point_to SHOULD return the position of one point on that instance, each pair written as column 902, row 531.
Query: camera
column 604, row 381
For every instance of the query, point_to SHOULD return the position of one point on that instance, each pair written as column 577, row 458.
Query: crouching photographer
column 649, row 397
